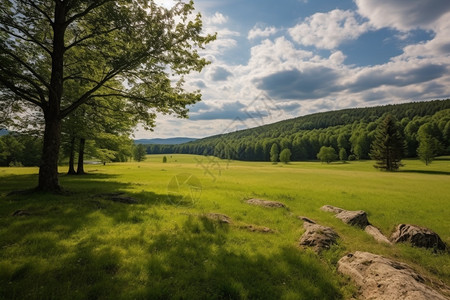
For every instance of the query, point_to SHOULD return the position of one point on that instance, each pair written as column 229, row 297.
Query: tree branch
column 22, row 93
column 27, row 66
column 41, row 11
column 85, row 97
column 77, row 42
column 30, row 38
column 38, row 89
column 94, row 5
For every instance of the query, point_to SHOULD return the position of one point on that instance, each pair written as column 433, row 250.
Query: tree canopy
column 285, row 155
column 58, row 55
column 327, row 154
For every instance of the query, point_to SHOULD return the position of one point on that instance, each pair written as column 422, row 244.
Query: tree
column 48, row 47
column 327, row 154
column 274, row 153
column 388, row 147
column 343, row 154
column 285, row 156
column 140, row 152
column 10, row 150
column 429, row 145
column 428, row 148
column 164, row 159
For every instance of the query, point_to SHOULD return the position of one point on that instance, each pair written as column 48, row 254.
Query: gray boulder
column 417, row 236
column 333, row 209
column 354, row 217
column 380, row 278
column 317, row 236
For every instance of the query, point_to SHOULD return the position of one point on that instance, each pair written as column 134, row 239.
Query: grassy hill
column 84, row 245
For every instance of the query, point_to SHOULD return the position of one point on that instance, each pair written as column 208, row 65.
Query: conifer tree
column 388, row 147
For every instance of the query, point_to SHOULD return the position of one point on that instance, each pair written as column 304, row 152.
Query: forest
column 350, row 132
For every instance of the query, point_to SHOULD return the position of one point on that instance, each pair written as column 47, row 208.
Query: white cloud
column 329, row 30
column 257, row 32
column 403, row 15
column 302, row 82
column 216, row 19
column 216, row 24
column 438, row 47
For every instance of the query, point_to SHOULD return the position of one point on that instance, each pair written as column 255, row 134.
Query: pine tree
column 388, row 147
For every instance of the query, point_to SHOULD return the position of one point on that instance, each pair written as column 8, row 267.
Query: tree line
column 423, row 127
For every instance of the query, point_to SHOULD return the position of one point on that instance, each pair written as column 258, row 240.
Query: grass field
column 81, row 245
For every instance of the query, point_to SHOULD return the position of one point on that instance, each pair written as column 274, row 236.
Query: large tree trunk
column 48, row 171
column 80, row 168
column 72, row 157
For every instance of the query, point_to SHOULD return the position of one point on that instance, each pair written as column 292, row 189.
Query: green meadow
column 83, row 245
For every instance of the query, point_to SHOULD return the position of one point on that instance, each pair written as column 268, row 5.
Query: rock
column 221, row 218
column 21, row 213
column 333, row 209
column 318, row 237
column 355, row 218
column 255, row 228
column 265, row 203
column 351, row 217
column 382, row 278
column 377, row 235
column 306, row 219
column 417, row 236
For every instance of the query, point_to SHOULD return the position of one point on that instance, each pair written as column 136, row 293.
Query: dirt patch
column 381, row 278
column 265, row 203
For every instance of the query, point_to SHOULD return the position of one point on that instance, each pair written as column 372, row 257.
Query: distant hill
column 3, row 132
column 169, row 141
column 351, row 130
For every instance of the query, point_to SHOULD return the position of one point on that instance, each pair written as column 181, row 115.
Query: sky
column 279, row 59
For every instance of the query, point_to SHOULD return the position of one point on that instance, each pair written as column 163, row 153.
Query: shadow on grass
column 69, row 247
column 194, row 263
column 430, row 172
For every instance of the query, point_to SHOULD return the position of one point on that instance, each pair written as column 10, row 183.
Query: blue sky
column 275, row 60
